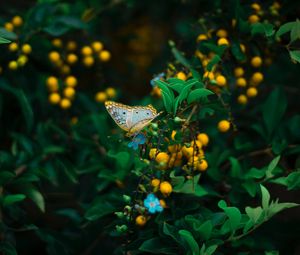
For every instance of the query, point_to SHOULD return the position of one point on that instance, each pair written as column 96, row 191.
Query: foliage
column 209, row 175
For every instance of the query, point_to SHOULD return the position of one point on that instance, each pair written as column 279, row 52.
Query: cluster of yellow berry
column 22, row 51
column 61, row 92
column 189, row 156
column 66, row 55
column 102, row 96
column 62, row 89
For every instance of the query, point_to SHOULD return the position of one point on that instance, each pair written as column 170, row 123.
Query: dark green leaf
column 198, row 94
column 11, row 199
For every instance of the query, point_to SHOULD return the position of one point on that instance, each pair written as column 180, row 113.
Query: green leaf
column 99, row 210
column 266, row 29
column 175, row 84
column 3, row 40
column 198, row 94
column 211, row 249
column 192, row 245
column 215, row 60
column 171, row 231
column 295, row 31
column 254, row 214
column 295, row 55
column 167, row 94
column 271, row 167
column 233, row 213
column 8, row 35
column 182, row 96
column 205, row 229
column 235, row 168
column 11, row 199
column 156, row 246
column 237, row 51
column 287, row 27
column 265, row 198
column 278, row 207
column 273, row 110
column 292, row 181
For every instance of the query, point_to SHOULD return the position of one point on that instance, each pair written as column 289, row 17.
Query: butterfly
column 131, row 118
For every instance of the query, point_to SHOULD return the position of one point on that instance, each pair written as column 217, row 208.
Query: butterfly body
column 131, row 118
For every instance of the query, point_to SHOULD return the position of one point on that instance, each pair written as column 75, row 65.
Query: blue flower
column 156, row 78
column 136, row 141
column 152, row 204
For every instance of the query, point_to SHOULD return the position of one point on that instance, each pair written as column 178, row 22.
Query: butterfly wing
column 120, row 113
column 141, row 117
column 131, row 119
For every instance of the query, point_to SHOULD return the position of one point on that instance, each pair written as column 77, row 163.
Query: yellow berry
column 257, row 78
column 54, row 98
column 163, row 203
column 72, row 58
column 174, row 148
column 222, row 33
column 196, row 144
column 13, row 65
column 65, row 103
column 209, row 75
column 69, row 92
column 256, row 7
column 224, row 126
column 165, row 188
column 111, row 92
column 162, row 157
column 52, row 83
column 221, row 80
column 243, row 48
column 241, row 82
column 71, row 46
column 251, row 92
column 152, row 153
column 9, row 26
column 193, row 162
column 155, row 182
column 54, row 56
column 203, row 138
column 26, row 49
column 188, row 151
column 156, row 91
column 223, row 41
column 13, row 46
column 173, row 135
column 201, row 37
column 203, row 165
column 97, row 46
column 239, row 71
column 57, row 42
column 242, row 99
column 140, row 220
column 22, row 60
column 17, row 21
column 253, row 19
column 86, row 51
column 88, row 61
column 101, row 97
column 104, row 55
column 256, row 61
column 181, row 76
column 71, row 81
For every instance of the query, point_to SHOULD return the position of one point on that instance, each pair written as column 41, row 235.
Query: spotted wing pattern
column 131, row 118
column 120, row 114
